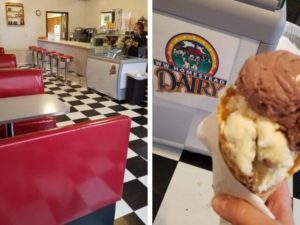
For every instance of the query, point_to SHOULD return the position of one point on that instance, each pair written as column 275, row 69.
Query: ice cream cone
column 247, row 181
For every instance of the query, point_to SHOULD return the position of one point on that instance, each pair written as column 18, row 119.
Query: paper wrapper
column 223, row 180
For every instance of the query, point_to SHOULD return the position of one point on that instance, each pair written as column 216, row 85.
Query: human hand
column 240, row 212
column 128, row 43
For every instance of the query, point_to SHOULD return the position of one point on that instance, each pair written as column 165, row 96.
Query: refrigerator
column 57, row 32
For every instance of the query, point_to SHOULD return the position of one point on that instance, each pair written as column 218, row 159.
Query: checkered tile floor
column 88, row 105
column 182, row 189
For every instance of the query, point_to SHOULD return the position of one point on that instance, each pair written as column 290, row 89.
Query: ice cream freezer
column 198, row 49
column 108, row 75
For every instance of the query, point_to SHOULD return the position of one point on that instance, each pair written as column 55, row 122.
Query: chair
column 19, row 82
column 56, row 56
column 67, row 59
column 2, row 51
column 40, row 55
column 48, row 60
column 57, row 176
column 33, row 48
column 8, row 61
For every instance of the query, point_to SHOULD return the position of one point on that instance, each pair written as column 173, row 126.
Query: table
column 21, row 108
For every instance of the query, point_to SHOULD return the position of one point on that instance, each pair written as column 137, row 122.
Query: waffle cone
column 247, row 181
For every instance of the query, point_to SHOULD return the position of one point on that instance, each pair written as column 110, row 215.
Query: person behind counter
column 138, row 39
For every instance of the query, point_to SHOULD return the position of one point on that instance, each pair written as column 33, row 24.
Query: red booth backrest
column 2, row 50
column 19, row 82
column 53, row 177
column 8, row 61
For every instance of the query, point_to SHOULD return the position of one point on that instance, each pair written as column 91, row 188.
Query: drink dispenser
column 199, row 48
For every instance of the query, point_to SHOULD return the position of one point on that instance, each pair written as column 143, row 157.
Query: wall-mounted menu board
column 14, row 13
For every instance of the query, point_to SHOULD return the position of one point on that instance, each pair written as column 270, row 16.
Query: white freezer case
column 108, row 76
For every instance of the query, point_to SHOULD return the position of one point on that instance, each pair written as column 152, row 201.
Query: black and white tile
column 182, row 188
column 89, row 105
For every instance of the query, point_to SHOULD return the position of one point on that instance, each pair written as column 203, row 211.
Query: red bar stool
column 33, row 48
column 48, row 60
column 56, row 56
column 40, row 57
column 51, row 56
column 67, row 59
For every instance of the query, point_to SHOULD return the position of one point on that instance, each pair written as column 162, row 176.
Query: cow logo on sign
column 190, row 67
column 192, row 52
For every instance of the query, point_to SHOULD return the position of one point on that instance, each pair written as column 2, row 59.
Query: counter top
column 119, row 59
column 69, row 43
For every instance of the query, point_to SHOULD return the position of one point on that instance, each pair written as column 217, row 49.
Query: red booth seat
column 19, row 82
column 28, row 126
column 8, row 61
column 2, row 51
column 55, row 176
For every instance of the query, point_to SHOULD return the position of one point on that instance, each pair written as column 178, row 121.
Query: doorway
column 57, row 25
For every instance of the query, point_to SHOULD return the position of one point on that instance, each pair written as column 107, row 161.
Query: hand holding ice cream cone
column 258, row 131
column 240, row 212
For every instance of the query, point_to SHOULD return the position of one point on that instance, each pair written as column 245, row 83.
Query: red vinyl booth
column 19, row 82
column 2, row 51
column 56, row 176
column 8, row 61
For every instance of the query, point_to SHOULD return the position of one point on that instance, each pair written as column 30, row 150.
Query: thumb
column 239, row 212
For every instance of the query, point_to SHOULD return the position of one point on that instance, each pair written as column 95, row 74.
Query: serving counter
column 78, row 50
column 108, row 75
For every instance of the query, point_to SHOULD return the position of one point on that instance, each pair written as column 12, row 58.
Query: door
column 57, row 24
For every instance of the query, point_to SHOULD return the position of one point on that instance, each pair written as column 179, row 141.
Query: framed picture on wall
column 107, row 17
column 14, row 13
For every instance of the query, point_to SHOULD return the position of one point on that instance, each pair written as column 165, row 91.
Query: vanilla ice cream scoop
column 256, row 145
column 259, row 122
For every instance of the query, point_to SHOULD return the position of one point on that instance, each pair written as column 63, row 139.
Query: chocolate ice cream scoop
column 270, row 83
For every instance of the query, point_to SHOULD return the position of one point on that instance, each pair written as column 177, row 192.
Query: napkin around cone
column 223, row 180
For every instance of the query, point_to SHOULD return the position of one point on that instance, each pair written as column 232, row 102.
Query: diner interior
column 73, row 118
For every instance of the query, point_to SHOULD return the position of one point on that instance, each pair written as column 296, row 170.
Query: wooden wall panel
column 51, row 22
